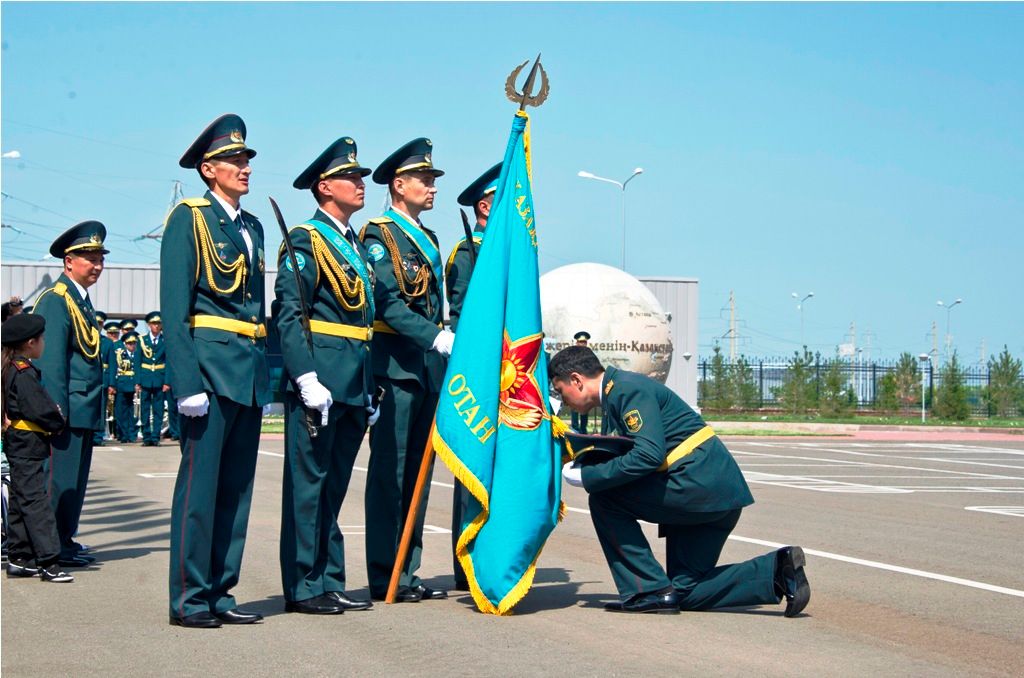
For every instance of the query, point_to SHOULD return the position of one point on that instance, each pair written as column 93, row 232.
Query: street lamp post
column 622, row 187
column 923, row 358
column 949, row 309
column 800, row 307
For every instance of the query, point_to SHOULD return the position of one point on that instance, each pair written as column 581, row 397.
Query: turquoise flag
column 493, row 426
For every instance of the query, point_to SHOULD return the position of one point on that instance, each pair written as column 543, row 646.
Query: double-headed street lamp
column 800, row 307
column 622, row 186
column 949, row 308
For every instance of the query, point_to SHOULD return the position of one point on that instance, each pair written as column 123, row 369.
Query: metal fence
column 767, row 377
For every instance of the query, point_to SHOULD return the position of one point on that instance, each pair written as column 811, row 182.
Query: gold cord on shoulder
column 211, row 260
column 87, row 336
column 414, row 287
column 343, row 288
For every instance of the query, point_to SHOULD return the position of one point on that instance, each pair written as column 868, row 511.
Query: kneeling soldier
column 334, row 378
column 679, row 475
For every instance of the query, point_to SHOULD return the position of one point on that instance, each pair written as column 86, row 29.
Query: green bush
column 951, row 395
column 1004, row 395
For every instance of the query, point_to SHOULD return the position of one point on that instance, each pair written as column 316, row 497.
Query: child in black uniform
column 30, row 416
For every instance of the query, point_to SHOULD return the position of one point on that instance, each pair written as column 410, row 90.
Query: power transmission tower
column 732, row 327
column 935, row 341
column 177, row 195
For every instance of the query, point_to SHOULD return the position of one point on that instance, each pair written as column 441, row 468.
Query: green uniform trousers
column 693, row 542
column 124, row 413
column 397, row 442
column 316, row 476
column 68, row 472
column 151, row 407
column 210, row 505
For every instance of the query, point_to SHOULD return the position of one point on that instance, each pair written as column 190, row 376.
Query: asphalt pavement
column 914, row 560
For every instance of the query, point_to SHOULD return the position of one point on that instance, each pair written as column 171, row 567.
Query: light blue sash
column 422, row 241
column 351, row 256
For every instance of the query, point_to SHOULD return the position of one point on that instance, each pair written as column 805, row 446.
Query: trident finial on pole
column 527, row 97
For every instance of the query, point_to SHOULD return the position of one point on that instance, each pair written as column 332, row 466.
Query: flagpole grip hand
column 443, row 342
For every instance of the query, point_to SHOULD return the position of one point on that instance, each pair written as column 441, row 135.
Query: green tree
column 834, row 397
column 1004, row 395
column 715, row 390
column 742, row 386
column 951, row 395
column 797, row 392
column 907, row 377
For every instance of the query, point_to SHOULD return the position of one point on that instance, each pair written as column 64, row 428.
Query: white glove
column 314, row 395
column 555, row 403
column 573, row 474
column 443, row 342
column 194, row 405
column 374, row 412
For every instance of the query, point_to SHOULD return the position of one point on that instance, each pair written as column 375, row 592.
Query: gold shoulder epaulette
column 196, row 202
column 608, row 387
column 60, row 288
column 21, row 363
column 381, row 220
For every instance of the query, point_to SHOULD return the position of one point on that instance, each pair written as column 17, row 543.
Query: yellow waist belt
column 687, row 446
column 154, row 368
column 126, row 374
column 24, row 425
column 381, row 326
column 342, row 330
column 251, row 330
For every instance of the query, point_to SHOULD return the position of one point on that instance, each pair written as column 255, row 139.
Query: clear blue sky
column 870, row 153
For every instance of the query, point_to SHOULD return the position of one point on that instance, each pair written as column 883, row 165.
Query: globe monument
column 628, row 327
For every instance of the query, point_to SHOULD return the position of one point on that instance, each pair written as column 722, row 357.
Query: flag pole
column 410, row 519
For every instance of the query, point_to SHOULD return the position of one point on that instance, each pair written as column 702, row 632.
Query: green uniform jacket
column 417, row 321
column 658, row 420
column 106, row 350
column 73, row 380
column 153, row 376
column 206, row 359
column 457, row 273
column 123, row 371
column 343, row 365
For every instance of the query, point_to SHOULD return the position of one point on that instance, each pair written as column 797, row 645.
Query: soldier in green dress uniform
column 123, row 380
column 409, row 351
column 335, row 379
column 108, row 342
column 152, row 380
column 98, row 437
column 479, row 195
column 73, row 376
column 679, row 475
column 213, row 311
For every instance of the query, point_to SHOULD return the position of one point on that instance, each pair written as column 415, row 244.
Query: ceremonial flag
column 493, row 426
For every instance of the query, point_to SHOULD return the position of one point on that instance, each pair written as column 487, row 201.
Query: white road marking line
column 890, row 456
column 351, row 530
column 818, row 485
column 992, row 476
column 157, row 475
column 1016, row 511
column 870, row 563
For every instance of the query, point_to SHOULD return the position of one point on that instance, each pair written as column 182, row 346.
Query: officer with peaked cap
column 123, row 384
column 480, row 196
column 213, row 311
column 409, row 351
column 73, row 376
column 151, row 380
column 335, row 379
column 678, row 474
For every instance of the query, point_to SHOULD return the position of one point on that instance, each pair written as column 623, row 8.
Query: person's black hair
column 579, row 359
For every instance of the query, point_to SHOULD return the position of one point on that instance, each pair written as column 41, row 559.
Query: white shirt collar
column 411, row 220
column 231, row 211
column 337, row 222
column 81, row 290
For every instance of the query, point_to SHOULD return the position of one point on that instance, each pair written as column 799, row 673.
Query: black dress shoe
column 316, row 605
column 790, row 580
column 648, row 603
column 237, row 616
column 16, row 569
column 427, row 593
column 346, row 603
column 76, row 561
column 199, row 620
column 81, row 549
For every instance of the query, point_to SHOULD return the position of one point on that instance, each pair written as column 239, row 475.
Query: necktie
column 244, row 233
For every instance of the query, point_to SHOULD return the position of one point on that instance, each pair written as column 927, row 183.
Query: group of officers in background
column 134, row 373
column 360, row 316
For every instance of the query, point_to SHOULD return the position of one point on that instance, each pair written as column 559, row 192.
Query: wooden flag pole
column 410, row 519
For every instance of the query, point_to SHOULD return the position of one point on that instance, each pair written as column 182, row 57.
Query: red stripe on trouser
column 184, row 521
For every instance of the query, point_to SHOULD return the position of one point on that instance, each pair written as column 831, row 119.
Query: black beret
column 21, row 327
